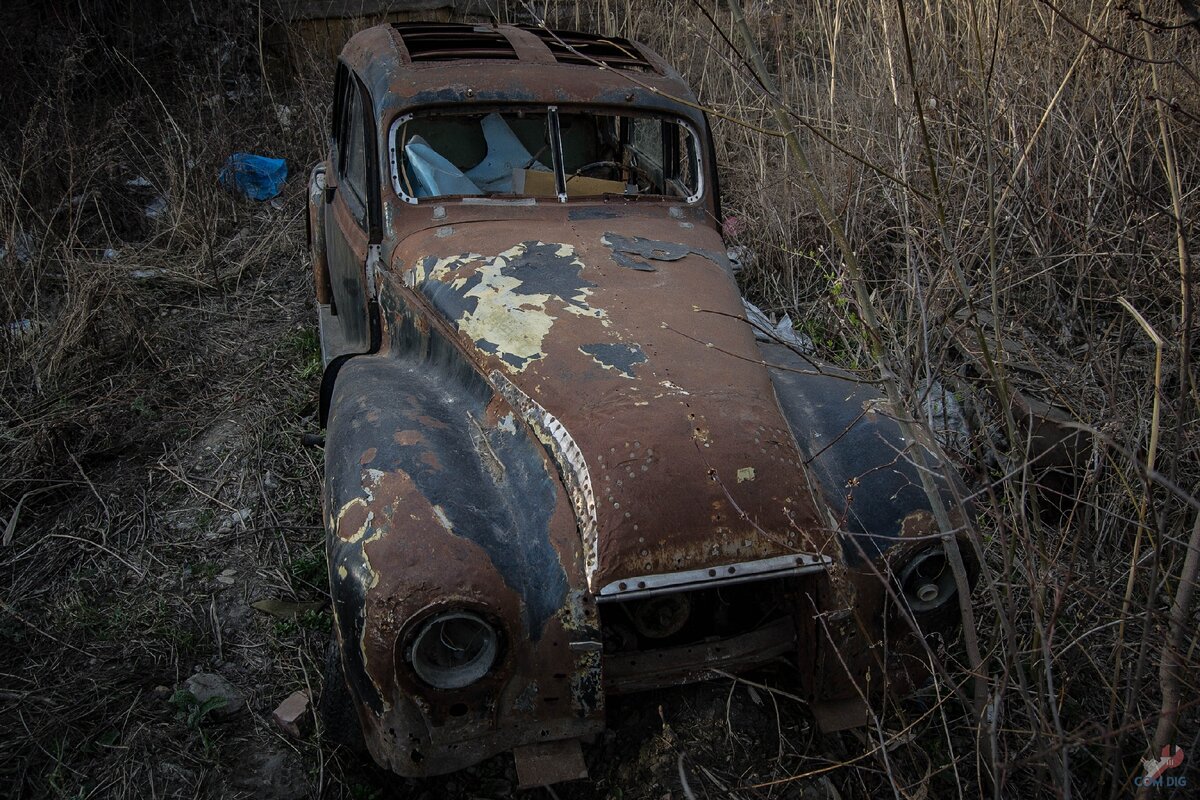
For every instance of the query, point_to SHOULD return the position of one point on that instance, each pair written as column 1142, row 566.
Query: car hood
column 629, row 355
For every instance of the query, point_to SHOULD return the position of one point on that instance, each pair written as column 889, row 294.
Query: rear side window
column 351, row 144
column 354, row 158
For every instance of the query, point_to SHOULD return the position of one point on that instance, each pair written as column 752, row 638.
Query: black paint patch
column 518, row 362
column 646, row 248
column 623, row 247
column 432, row 390
column 510, row 521
column 846, row 446
column 541, row 270
column 451, row 301
column 621, row 357
column 594, row 212
column 630, row 262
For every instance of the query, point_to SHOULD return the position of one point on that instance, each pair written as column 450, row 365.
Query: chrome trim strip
column 570, row 461
column 724, row 575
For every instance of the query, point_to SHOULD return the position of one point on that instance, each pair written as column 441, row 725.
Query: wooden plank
column 297, row 10
column 545, row 763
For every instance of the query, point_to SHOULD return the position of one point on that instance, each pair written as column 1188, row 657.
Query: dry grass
column 160, row 387
column 991, row 160
column 1017, row 169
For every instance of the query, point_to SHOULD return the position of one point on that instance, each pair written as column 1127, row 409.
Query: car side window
column 351, row 146
column 354, row 159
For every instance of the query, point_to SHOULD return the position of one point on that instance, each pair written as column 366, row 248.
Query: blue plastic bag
column 504, row 154
column 257, row 177
column 435, row 174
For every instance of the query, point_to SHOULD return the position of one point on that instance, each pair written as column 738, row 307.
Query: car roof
column 421, row 64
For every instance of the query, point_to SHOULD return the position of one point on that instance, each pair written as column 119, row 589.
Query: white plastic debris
column 783, row 331
column 139, row 182
column 156, row 207
column 741, row 257
column 110, row 254
column 21, row 247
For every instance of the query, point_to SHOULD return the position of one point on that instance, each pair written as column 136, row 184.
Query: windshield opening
column 544, row 153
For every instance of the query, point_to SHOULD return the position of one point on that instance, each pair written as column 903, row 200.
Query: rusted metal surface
column 535, row 313
column 555, row 403
column 396, row 84
column 315, row 221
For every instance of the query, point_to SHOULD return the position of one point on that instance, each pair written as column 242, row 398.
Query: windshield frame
column 551, row 111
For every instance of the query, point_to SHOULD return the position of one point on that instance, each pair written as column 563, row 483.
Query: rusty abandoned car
column 559, row 465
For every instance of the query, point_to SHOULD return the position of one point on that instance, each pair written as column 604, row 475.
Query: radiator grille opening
column 685, row 618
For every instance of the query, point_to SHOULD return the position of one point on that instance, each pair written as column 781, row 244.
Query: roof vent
column 452, row 42
column 590, row 49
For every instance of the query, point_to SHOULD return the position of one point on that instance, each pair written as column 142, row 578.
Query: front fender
column 437, row 497
column 856, row 451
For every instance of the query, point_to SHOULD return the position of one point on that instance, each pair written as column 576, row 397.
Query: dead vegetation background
column 1004, row 170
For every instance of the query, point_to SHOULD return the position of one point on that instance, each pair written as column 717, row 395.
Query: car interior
column 510, row 153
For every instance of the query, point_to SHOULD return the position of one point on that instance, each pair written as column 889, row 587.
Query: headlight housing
column 454, row 649
column 927, row 581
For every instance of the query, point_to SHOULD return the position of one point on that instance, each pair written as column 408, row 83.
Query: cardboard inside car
column 541, row 184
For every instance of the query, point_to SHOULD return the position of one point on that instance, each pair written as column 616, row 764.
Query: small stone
column 293, row 715
column 206, row 685
column 236, row 519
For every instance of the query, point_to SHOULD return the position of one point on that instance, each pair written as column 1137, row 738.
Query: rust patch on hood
column 688, row 460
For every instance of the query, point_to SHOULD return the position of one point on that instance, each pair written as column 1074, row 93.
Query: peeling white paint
column 514, row 324
column 443, row 520
column 374, row 476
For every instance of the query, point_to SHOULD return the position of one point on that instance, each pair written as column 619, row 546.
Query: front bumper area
column 651, row 669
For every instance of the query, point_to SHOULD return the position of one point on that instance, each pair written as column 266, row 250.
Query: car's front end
column 565, row 469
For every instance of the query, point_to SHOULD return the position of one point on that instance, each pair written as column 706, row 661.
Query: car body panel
column 409, row 540
column 554, row 413
column 605, row 351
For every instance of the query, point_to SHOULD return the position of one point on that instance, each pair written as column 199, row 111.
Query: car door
column 352, row 212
